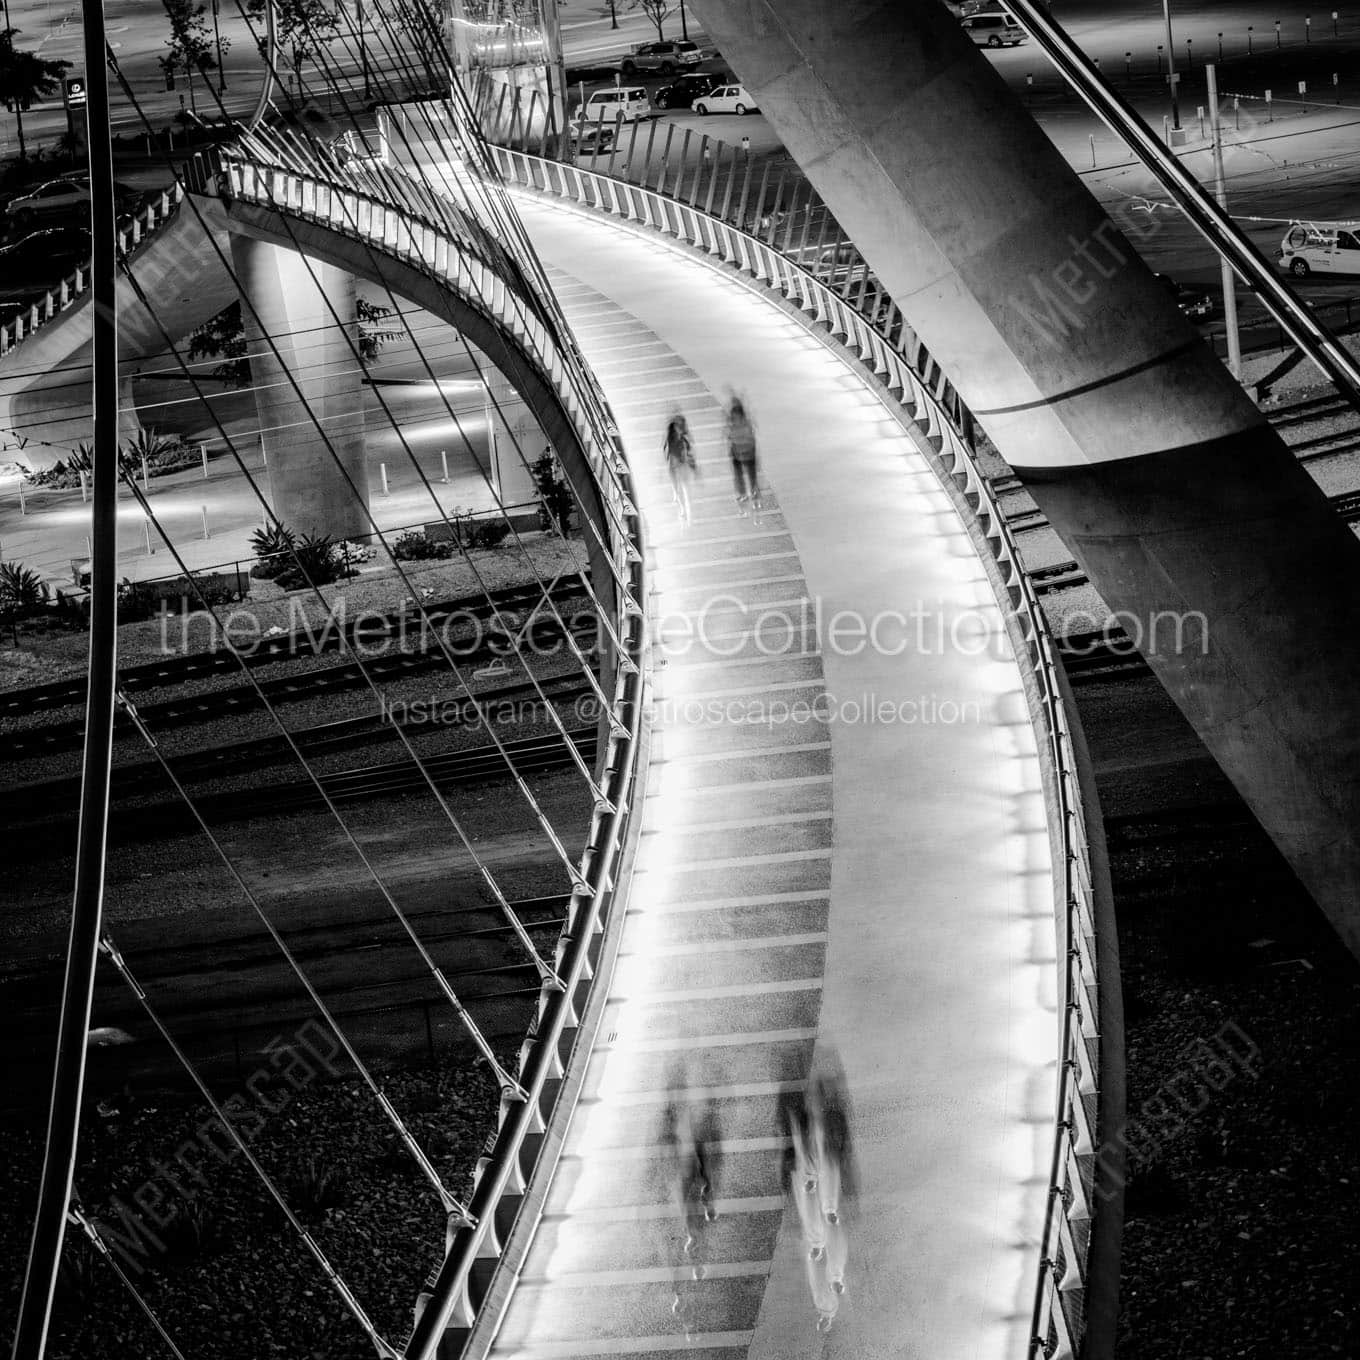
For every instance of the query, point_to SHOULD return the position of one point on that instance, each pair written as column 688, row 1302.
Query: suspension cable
column 450, row 1204
column 110, row 951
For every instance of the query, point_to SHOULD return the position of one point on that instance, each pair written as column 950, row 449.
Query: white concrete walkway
column 879, row 888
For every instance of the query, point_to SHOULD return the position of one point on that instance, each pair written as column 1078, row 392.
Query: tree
column 300, row 27
column 189, row 43
column 24, row 77
column 658, row 11
column 224, row 337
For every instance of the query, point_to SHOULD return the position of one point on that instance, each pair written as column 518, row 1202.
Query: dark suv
column 684, row 90
column 664, row 57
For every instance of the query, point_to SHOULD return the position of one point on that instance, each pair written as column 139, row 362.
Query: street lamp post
column 363, row 47
column 684, row 27
column 1171, row 66
column 217, row 38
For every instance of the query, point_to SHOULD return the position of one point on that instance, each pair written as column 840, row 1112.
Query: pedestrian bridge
column 851, row 827
column 859, row 816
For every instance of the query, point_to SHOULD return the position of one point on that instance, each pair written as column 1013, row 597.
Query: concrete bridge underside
column 1163, row 478
column 182, row 271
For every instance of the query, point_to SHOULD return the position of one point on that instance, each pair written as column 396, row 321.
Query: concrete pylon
column 313, row 433
column 1189, row 514
column 518, row 441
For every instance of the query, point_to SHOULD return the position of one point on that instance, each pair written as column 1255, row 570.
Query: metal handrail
column 1057, row 1316
column 74, row 286
column 421, row 233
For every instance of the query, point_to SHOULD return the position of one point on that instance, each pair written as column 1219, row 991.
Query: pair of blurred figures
column 819, row 1176
column 683, row 467
column 818, row 1173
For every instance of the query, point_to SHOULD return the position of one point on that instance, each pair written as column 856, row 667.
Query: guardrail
column 428, row 233
column 71, row 289
column 1058, row 1312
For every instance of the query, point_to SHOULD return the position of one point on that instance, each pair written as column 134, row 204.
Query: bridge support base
column 308, row 388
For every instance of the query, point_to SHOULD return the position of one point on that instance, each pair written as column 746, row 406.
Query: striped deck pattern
column 880, row 888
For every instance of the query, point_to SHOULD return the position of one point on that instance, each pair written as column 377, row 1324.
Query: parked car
column 43, row 257
column 63, row 197
column 52, row 199
column 590, row 136
column 726, row 99
column 685, row 89
column 1320, row 247
column 994, row 30
column 604, row 106
column 664, row 57
column 1193, row 302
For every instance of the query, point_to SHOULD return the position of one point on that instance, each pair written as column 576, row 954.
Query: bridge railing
column 1064, row 1236
column 74, row 286
column 423, row 234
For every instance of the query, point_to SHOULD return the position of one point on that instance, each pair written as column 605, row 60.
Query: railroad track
column 18, row 803
column 37, row 837
column 252, row 997
column 53, row 738
column 369, row 630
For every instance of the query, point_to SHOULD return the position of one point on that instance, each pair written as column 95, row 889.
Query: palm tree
column 24, row 77
column 22, row 592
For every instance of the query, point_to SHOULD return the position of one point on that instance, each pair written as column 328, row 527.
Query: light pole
column 363, row 46
column 684, row 27
column 217, row 38
column 1171, row 67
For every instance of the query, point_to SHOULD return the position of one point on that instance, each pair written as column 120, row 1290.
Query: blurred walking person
column 741, row 448
column 680, row 462
column 819, row 1170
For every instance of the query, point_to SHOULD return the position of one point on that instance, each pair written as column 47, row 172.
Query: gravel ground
column 232, row 1279
column 1243, row 1229
column 382, row 591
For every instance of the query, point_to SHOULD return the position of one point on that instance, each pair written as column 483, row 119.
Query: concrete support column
column 1186, row 510
column 313, row 433
column 518, row 439
column 129, row 425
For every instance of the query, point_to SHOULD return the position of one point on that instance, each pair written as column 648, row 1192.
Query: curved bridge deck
column 822, row 880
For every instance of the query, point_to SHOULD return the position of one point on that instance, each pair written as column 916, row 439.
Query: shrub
column 554, row 494
column 273, row 545
column 136, row 601
column 487, row 533
column 23, row 593
column 313, row 1188
column 315, row 562
column 415, row 546
column 194, row 1232
column 161, row 454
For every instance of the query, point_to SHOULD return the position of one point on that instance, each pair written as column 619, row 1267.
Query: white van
column 1321, row 247
column 604, row 106
column 993, row 30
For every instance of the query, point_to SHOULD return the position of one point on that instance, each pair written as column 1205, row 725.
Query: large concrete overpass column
column 1188, row 513
column 294, row 303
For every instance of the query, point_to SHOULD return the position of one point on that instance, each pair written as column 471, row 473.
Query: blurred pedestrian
column 741, row 448
column 680, row 462
column 819, row 1173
